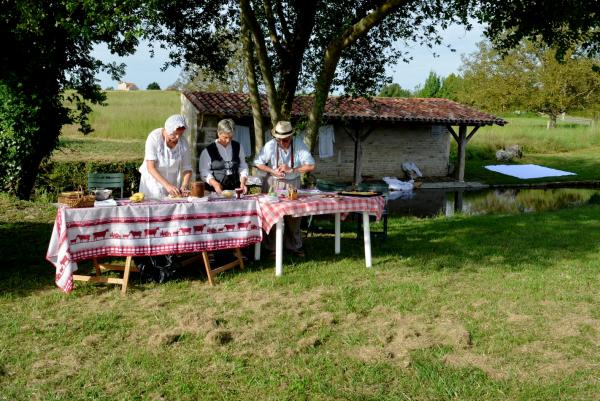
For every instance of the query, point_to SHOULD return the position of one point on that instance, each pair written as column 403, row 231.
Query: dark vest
column 227, row 173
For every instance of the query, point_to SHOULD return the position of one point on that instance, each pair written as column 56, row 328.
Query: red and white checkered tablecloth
column 149, row 228
column 308, row 205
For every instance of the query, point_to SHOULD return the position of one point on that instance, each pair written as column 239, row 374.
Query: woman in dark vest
column 223, row 162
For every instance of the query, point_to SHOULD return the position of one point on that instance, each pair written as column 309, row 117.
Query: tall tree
column 47, row 76
column 451, row 86
column 313, row 45
column 530, row 77
column 560, row 24
column 394, row 90
column 431, row 87
column 200, row 78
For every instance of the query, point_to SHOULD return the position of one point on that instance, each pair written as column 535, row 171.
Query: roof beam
column 451, row 130
column 473, row 131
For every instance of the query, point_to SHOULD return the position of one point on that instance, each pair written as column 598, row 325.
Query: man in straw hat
column 284, row 158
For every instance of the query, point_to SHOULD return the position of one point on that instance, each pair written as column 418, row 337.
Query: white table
column 272, row 214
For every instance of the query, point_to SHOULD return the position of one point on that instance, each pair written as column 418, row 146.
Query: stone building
column 360, row 137
column 127, row 86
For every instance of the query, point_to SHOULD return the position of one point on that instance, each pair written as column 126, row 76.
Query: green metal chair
column 106, row 180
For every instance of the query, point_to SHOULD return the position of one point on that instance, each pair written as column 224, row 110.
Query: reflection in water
column 428, row 202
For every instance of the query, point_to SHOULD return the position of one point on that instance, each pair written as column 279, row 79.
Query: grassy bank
column 121, row 127
column 501, row 307
column 569, row 147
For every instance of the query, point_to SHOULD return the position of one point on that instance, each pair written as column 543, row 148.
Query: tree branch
column 272, row 28
column 369, row 21
column 331, row 60
column 284, row 26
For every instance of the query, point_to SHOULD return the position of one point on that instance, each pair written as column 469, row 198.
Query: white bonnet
column 174, row 122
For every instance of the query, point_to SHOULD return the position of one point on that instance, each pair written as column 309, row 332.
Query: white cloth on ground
column 398, row 185
column 526, row 171
column 394, row 195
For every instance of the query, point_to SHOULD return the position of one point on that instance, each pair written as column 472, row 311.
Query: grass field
column 122, row 128
column 493, row 307
column 499, row 307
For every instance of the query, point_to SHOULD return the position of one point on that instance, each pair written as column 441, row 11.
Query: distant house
column 360, row 137
column 127, row 86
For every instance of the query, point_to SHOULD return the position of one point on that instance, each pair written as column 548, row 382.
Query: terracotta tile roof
column 416, row 110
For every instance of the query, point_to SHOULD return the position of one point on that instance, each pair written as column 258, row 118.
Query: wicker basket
column 76, row 199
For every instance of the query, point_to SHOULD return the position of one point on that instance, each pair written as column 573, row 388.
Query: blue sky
column 143, row 69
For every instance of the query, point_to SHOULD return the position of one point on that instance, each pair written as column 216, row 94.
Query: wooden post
column 357, row 160
column 462, row 147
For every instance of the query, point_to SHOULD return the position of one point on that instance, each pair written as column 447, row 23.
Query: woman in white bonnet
column 167, row 166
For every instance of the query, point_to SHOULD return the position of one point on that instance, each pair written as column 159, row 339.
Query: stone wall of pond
column 422, row 203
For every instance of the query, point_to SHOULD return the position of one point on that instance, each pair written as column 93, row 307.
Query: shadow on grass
column 511, row 242
column 23, row 247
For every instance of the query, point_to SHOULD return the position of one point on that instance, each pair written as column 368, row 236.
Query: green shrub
column 56, row 177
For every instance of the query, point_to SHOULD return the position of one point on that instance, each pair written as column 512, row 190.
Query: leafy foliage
column 305, row 45
column 432, row 86
column 47, row 77
column 153, row 86
column 452, row 85
column 394, row 90
column 559, row 24
column 530, row 78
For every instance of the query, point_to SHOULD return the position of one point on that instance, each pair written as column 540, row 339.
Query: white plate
column 269, row 199
column 197, row 199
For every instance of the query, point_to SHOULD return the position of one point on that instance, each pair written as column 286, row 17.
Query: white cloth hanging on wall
column 326, row 140
column 268, row 135
column 242, row 135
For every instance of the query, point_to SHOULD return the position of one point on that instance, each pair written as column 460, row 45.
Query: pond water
column 434, row 202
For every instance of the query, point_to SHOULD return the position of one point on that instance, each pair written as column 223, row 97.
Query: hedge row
column 56, row 177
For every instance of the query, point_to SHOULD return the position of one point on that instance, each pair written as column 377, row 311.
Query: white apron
column 168, row 167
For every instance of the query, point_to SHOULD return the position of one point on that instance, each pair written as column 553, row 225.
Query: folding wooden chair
column 106, row 180
column 212, row 272
column 110, row 181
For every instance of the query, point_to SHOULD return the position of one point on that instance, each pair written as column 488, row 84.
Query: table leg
column 126, row 275
column 257, row 251
column 279, row 247
column 337, row 233
column 367, row 237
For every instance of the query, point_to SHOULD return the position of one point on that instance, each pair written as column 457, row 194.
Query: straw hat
column 283, row 129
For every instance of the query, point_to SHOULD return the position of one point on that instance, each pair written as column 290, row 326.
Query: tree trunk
column 255, row 101
column 331, row 59
column 332, row 56
column 263, row 60
column 551, row 121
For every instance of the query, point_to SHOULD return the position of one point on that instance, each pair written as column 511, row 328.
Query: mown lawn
column 497, row 307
